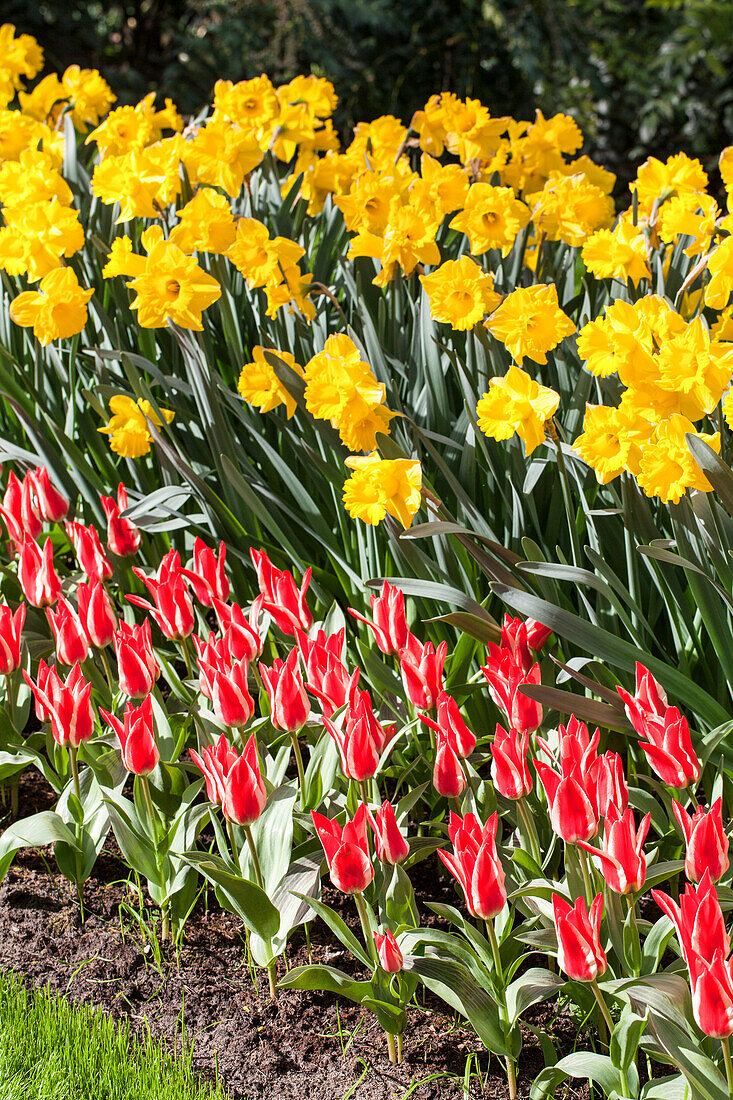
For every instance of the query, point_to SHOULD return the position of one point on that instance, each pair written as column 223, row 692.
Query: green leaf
column 581, row 1065
column 532, row 987
column 246, row 899
column 453, row 984
column 339, row 928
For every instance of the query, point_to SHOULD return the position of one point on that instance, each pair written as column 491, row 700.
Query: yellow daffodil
column 617, row 254
column 379, row 487
column 666, row 468
column 206, row 224
column 260, row 386
column 128, row 429
column 56, row 310
column 492, row 218
column 460, row 293
column 341, row 387
column 516, row 404
column 570, row 209
column 529, row 322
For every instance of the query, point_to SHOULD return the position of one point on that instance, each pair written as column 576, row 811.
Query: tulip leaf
column 683, row 1050
column 597, row 1068
column 532, row 987
column 245, row 898
column 35, row 831
column 339, row 928
column 134, row 844
column 453, row 984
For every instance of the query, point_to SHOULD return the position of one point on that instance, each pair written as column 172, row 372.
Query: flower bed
column 263, row 674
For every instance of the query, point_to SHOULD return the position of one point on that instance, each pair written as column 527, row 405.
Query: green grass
column 53, row 1050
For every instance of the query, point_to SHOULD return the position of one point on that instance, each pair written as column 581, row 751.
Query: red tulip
column 360, row 738
column 509, row 770
column 11, row 635
column 390, row 957
column 42, row 712
column 505, row 677
column 52, row 505
column 327, row 677
column 240, row 631
column 172, row 608
column 36, row 574
column 711, row 983
column 706, row 842
column 20, row 509
column 347, row 851
column 698, row 919
column 607, row 784
column 206, row 575
column 449, row 778
column 70, row 639
column 234, row 782
column 579, row 951
column 570, row 793
column 389, row 626
column 137, row 667
column 123, row 537
column 422, row 671
column 391, row 845
column 96, row 613
column 289, row 706
column 136, row 737
column 450, row 723
column 68, row 705
column 667, row 744
column 282, row 599
column 90, row 555
column 523, row 638
column 226, row 686
column 476, row 865
column 622, row 860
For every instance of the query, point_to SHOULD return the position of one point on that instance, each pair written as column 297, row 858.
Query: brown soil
column 308, row 1046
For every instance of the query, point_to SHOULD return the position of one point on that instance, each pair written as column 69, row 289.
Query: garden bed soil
column 308, row 1046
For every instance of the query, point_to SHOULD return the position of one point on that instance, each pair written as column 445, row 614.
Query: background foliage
column 640, row 76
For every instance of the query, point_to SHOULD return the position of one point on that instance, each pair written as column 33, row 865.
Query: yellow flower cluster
column 673, row 373
column 129, row 429
column 273, row 264
column 382, row 487
column 341, row 388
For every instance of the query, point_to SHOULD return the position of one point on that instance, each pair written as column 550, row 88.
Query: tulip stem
column 725, row 1044
column 399, row 1048
column 299, row 765
column 77, row 855
column 233, row 842
column 366, row 929
column 255, row 858
column 10, row 699
column 150, row 812
column 363, row 792
column 107, row 672
column 603, row 1007
column 391, row 1048
column 589, row 891
column 530, row 831
column 511, row 1065
column 187, row 658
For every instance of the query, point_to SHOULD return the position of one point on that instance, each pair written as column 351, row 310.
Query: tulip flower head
column 172, row 608
column 91, row 557
column 347, row 851
column 136, row 737
column 422, row 671
column 622, row 859
column 705, row 840
column 137, row 668
column 392, row 847
column 240, row 630
column 360, row 738
column 123, row 537
column 570, row 791
column 449, row 723
column 579, row 951
column 524, row 638
column 282, row 599
column 69, row 635
column 233, row 782
column 449, row 778
column 666, row 735
column 11, row 635
column 509, row 770
column 390, row 957
column 67, row 704
column 327, row 677
column 96, row 613
column 289, row 705
column 36, row 574
column 505, row 677
column 206, row 576
column 389, row 626
column 476, row 865
column 51, row 504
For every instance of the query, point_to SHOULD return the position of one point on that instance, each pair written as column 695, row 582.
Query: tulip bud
column 707, row 843
column 390, row 957
column 579, row 951
column 607, row 784
column 72, row 644
column 509, row 770
column 282, row 599
column 52, row 505
column 712, row 994
column 96, row 613
column 206, row 575
column 67, row 704
column 289, row 706
column 11, row 634
column 137, row 740
column 505, row 677
column 36, row 574
column 347, row 851
column 233, row 705
column 360, row 739
column 389, row 626
column 523, row 638
column 90, row 555
column 123, row 537
column 241, row 633
column 137, row 667
column 391, row 845
column 476, row 865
